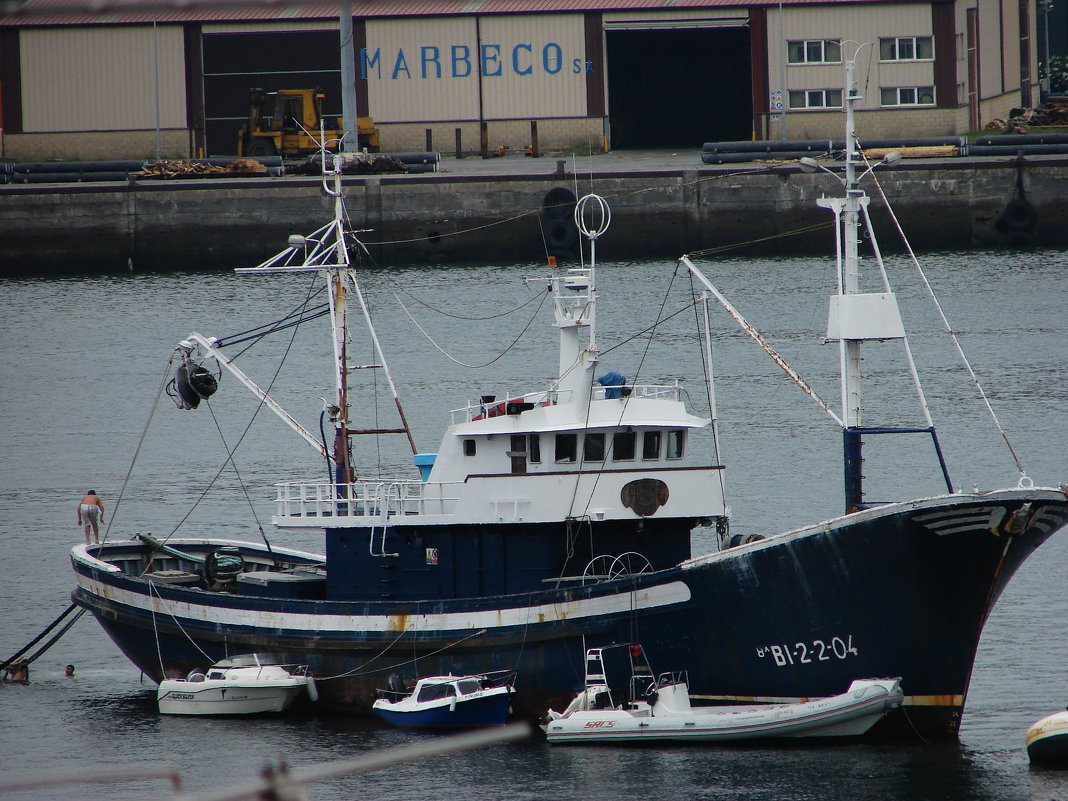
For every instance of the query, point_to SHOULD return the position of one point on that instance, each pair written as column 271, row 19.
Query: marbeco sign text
column 458, row 61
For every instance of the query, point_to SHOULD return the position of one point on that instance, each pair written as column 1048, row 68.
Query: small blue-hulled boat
column 438, row 702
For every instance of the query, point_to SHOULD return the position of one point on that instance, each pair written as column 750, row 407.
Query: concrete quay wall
column 484, row 216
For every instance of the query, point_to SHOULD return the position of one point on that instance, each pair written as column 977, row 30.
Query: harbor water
column 82, row 365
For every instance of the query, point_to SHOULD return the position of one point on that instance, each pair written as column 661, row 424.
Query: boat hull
column 848, row 715
column 903, row 590
column 488, row 710
column 177, row 697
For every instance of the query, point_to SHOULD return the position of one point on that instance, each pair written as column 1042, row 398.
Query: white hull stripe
column 674, row 592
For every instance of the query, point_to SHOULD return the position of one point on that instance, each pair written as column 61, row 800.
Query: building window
column 814, row 51
column 593, row 448
column 623, row 446
column 816, row 98
column 907, row 96
column 566, row 447
column 651, row 445
column 469, row 447
column 676, row 444
column 906, row 48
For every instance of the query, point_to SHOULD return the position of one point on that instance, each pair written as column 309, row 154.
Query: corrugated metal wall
column 452, row 69
column 542, row 67
column 102, row 79
column 414, row 74
column 990, row 41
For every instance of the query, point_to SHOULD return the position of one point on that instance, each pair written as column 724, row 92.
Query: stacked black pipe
column 742, row 151
column 418, row 162
column 78, row 171
column 1015, row 144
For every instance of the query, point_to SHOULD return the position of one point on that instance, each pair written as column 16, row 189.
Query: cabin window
column 469, row 447
column 432, row 692
column 468, row 686
column 651, row 445
column 623, row 446
column 518, row 454
column 566, row 447
column 535, row 447
column 593, row 448
column 676, row 444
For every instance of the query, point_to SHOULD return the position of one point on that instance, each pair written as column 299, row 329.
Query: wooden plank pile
column 177, row 168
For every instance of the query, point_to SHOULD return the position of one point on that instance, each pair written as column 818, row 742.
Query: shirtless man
column 91, row 514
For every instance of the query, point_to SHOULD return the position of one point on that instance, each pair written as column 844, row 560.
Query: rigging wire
column 793, row 232
column 450, row 357
column 359, row 671
column 480, row 317
column 163, row 602
column 140, row 442
column 947, row 326
column 460, row 232
column 319, row 311
column 771, row 168
column 240, row 481
column 645, row 331
column 248, row 427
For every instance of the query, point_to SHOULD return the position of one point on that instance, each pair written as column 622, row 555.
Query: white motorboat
column 248, row 684
column 1047, row 741
column 660, row 710
column 447, row 701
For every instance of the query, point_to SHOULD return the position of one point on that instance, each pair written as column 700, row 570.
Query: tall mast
column 854, row 316
column 849, row 349
column 326, row 251
column 342, row 280
column 336, row 276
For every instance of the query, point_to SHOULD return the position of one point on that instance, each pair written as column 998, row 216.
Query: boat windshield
column 248, row 660
column 468, row 686
column 432, row 692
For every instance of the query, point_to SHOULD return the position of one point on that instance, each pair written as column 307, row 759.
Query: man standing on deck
column 91, row 514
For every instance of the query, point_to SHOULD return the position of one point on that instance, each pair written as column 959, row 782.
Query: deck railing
column 499, row 406
column 378, row 500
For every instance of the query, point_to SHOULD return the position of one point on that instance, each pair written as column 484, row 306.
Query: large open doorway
column 679, row 88
column 236, row 62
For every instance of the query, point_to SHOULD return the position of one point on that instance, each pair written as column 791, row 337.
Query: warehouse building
column 118, row 83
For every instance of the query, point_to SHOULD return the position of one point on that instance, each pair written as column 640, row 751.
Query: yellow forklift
column 286, row 123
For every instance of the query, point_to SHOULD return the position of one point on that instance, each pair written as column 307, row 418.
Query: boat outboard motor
column 223, row 566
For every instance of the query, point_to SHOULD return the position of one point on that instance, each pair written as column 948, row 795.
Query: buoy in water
column 1047, row 741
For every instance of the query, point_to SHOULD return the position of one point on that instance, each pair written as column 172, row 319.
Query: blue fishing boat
column 446, row 702
column 562, row 516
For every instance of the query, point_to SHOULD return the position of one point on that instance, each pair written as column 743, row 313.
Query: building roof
column 132, row 12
